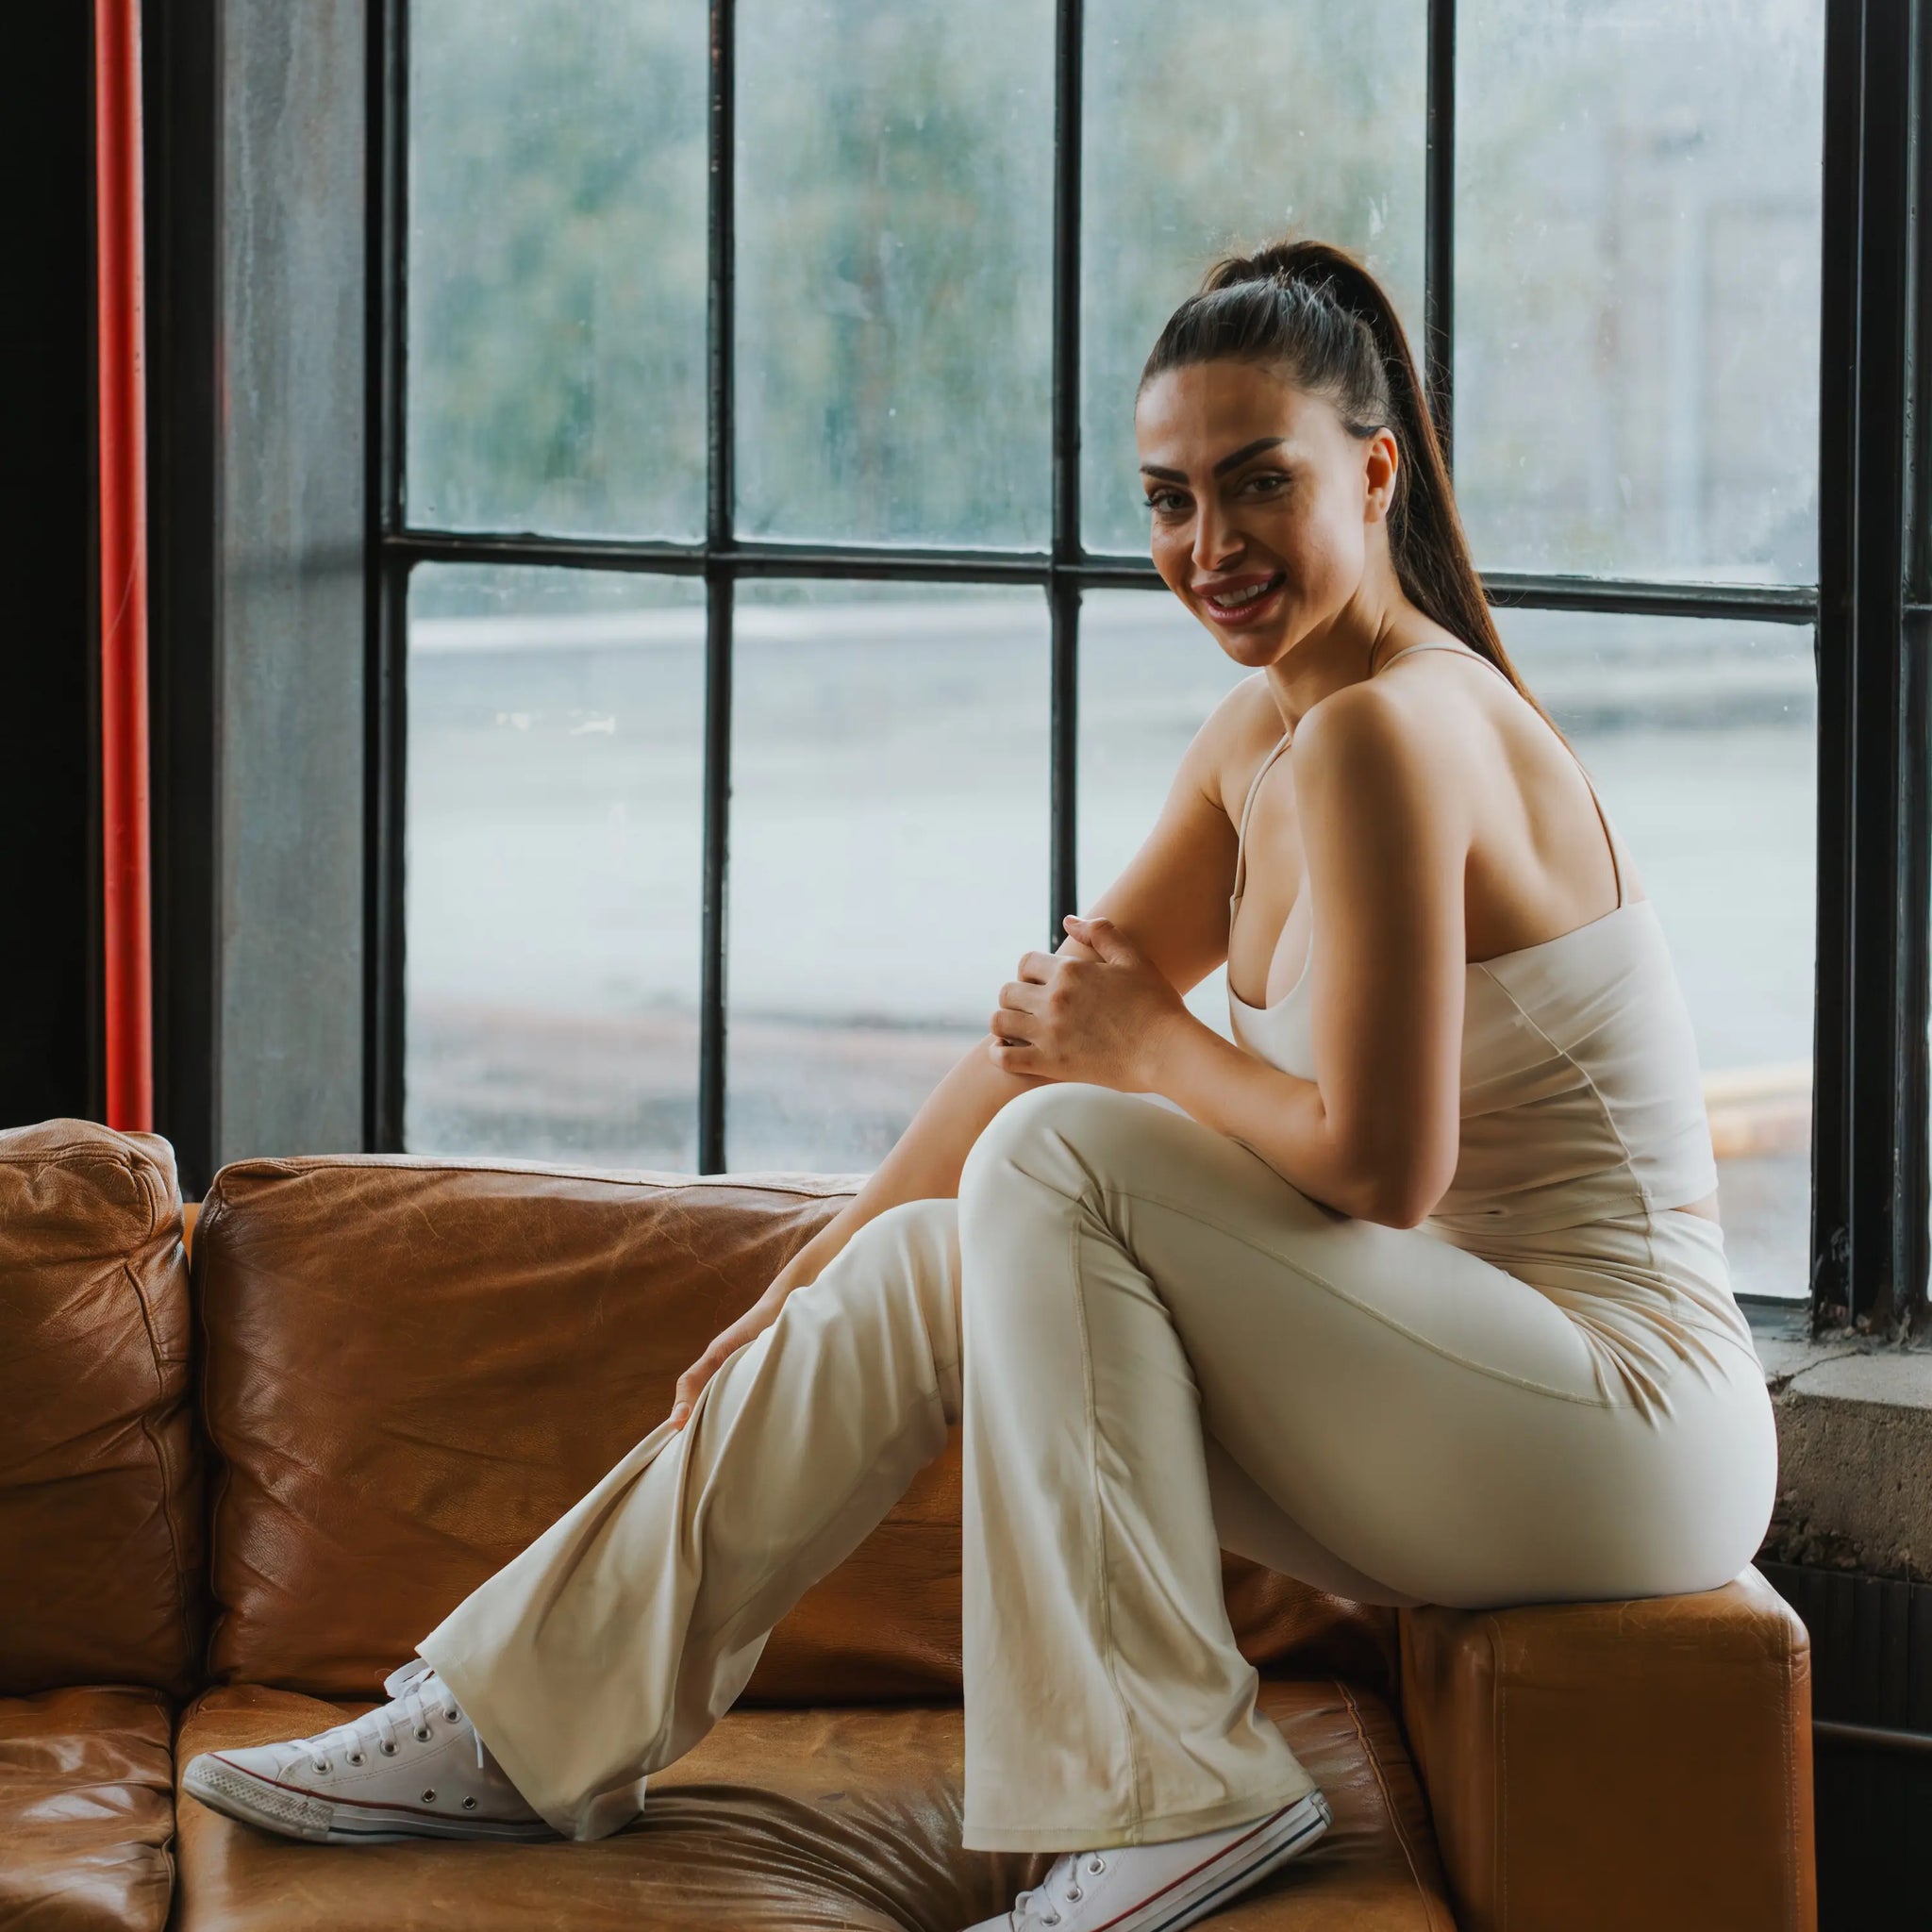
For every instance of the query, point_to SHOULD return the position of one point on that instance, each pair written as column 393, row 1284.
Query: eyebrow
column 1224, row 466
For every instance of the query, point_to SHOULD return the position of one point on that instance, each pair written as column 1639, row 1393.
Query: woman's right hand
column 750, row 1325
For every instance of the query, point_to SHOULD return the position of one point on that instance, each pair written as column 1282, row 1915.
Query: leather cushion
column 785, row 1820
column 415, row 1366
column 101, row 1500
column 86, row 1810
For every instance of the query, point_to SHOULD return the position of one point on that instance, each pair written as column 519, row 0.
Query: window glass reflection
column 1638, row 204
column 888, row 853
column 894, row 271
column 553, row 864
column 1701, row 737
column 1205, row 128
column 556, row 266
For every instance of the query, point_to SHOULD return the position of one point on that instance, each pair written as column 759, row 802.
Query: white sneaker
column 411, row 1768
column 1162, row 1888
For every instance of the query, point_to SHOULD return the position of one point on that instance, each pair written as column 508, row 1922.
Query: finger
column 1020, row 1058
column 1022, row 996
column 1038, row 967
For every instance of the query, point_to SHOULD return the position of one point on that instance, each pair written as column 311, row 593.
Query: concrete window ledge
column 1855, row 1453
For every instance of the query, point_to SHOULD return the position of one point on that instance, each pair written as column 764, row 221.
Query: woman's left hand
column 1097, row 1020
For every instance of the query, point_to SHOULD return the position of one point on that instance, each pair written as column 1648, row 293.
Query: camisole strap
column 1609, row 837
column 1240, row 836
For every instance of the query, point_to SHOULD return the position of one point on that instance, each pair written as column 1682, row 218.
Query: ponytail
column 1316, row 310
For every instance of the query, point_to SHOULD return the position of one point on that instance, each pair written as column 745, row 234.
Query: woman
column 1418, row 1292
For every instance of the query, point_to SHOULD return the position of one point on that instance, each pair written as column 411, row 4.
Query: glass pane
column 888, row 853
column 894, row 271
column 1149, row 675
column 1637, row 286
column 1702, row 739
column 556, row 266
column 1210, row 129
column 553, row 864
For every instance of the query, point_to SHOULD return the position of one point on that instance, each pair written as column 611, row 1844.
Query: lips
column 1241, row 600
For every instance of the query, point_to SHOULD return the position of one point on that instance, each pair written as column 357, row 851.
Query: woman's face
column 1264, row 506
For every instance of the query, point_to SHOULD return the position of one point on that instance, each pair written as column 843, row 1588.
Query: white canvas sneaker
column 411, row 1768
column 1162, row 1888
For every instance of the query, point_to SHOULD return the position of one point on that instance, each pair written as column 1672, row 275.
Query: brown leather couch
column 230, row 1499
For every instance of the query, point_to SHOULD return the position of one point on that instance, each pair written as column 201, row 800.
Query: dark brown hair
column 1314, row 310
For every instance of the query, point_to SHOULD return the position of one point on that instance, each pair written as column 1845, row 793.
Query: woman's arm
column 1385, row 837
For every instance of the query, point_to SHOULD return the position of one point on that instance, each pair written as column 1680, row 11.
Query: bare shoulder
column 1233, row 739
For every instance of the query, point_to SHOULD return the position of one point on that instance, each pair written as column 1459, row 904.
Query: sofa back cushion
column 415, row 1366
column 101, row 1496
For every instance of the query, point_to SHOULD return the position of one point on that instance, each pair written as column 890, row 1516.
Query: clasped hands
column 1101, row 1020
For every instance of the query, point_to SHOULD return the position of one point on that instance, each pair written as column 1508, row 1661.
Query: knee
column 1038, row 1135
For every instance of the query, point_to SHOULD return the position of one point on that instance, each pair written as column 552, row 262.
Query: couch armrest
column 1604, row 1766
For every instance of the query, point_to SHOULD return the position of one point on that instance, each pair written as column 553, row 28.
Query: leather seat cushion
column 86, row 1810
column 783, row 1820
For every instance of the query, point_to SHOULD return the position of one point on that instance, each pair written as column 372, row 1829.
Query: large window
column 772, row 653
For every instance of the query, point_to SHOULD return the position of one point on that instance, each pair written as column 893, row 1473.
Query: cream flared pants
column 1158, row 1347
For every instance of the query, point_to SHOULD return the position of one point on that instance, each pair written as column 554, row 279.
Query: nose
column 1217, row 542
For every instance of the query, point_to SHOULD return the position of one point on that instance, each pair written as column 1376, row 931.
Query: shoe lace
column 1039, row 1905
column 419, row 1692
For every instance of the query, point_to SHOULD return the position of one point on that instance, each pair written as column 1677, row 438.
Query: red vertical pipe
column 123, row 470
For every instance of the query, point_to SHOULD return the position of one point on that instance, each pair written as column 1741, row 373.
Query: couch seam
column 168, row 1499
column 1355, row 1717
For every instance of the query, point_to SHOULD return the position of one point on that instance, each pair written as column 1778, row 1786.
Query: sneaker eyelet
column 355, row 1758
column 388, row 1749
column 469, row 1804
column 454, row 1716
column 429, row 1797
column 1098, row 1864
column 316, row 1766
column 422, row 1737
column 1072, row 1894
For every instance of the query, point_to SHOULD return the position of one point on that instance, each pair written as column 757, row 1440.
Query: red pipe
column 123, row 469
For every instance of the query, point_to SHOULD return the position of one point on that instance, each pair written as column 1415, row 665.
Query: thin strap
column 1240, row 836
column 1609, row 837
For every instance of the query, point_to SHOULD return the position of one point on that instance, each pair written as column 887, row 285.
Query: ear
column 1381, row 460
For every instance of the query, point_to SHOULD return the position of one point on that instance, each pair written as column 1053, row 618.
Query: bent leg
column 1137, row 1285
column 609, row 1645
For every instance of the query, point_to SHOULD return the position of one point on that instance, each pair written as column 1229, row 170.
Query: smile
column 1242, row 604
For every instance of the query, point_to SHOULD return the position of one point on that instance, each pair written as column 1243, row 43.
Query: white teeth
column 1241, row 597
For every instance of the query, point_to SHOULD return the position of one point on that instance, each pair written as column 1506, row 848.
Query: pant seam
column 720, row 1630
column 1136, row 1759
column 1361, row 1306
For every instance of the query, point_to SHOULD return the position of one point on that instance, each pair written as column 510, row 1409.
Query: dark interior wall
column 291, row 638
column 50, row 1043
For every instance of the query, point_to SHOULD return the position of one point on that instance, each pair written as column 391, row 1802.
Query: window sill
column 1854, row 1451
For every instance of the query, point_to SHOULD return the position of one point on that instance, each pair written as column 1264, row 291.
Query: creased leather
column 415, row 1367
column 101, row 1504
column 786, row 1820
column 1595, row 1767
column 86, row 1810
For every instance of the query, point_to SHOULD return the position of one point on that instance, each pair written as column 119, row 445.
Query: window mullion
column 721, row 358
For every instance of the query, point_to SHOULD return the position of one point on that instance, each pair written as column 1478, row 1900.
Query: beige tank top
column 1582, row 1096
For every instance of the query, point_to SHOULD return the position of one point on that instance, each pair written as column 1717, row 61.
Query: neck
column 1353, row 643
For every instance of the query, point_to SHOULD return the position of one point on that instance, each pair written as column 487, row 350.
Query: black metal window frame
column 1871, row 611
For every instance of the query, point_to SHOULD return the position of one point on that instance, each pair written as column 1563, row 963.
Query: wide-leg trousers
column 1157, row 1348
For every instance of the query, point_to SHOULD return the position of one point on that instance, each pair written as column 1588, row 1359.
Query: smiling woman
column 1388, row 1294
